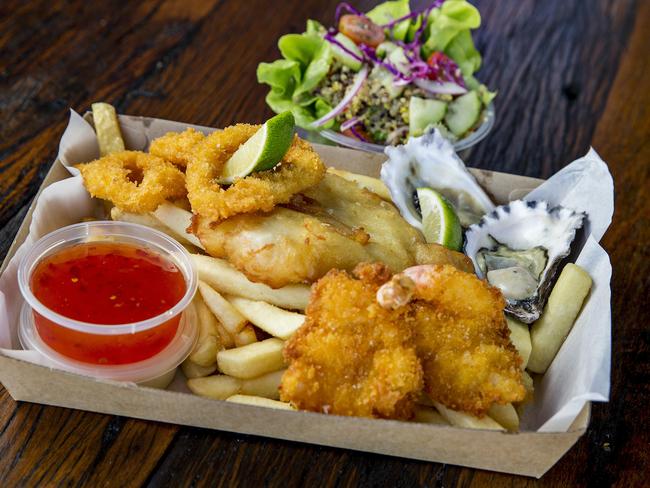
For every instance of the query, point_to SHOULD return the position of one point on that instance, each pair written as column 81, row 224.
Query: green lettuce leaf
column 304, row 116
column 449, row 31
column 413, row 28
column 316, row 70
column 282, row 76
column 461, row 49
column 314, row 27
column 300, row 47
column 387, row 11
column 307, row 60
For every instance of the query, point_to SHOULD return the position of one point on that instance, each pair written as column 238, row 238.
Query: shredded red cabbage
column 329, row 37
column 418, row 68
column 440, row 68
column 425, row 18
column 356, row 134
column 400, row 19
column 371, row 54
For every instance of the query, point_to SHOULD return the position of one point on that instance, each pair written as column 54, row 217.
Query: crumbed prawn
column 176, row 147
column 133, row 181
column 300, row 168
column 351, row 356
column 461, row 336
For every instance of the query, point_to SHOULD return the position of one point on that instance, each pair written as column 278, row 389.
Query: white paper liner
column 580, row 371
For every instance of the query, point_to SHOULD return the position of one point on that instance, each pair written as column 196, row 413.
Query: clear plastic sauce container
column 107, row 299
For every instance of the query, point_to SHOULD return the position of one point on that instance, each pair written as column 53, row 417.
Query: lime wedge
column 440, row 223
column 262, row 151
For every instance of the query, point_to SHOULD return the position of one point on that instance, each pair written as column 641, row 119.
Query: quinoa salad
column 385, row 75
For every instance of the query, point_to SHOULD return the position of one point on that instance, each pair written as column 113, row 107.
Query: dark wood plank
column 221, row 459
column 88, row 52
column 47, row 446
column 620, row 436
column 554, row 64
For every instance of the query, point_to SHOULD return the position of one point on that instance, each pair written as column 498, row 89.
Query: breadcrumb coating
column 133, row 181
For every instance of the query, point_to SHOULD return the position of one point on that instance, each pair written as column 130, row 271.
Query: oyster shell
column 518, row 248
column 430, row 161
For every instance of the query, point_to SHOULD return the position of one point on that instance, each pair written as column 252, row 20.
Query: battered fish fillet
column 352, row 357
column 335, row 224
column 462, row 337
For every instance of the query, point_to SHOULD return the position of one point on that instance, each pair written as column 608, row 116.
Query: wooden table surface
column 570, row 74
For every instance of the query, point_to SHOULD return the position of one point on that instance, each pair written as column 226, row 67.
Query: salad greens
column 389, row 11
column 428, row 54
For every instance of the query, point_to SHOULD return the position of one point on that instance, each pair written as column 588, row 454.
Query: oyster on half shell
column 518, row 248
column 430, row 161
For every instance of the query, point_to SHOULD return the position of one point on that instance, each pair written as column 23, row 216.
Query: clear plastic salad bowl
column 478, row 135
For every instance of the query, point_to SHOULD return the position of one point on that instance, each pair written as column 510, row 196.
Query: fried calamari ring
column 299, row 169
column 132, row 180
column 176, row 147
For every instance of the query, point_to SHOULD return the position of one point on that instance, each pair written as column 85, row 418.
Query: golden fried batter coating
column 352, row 357
column 133, row 181
column 462, row 337
column 176, row 147
column 300, row 168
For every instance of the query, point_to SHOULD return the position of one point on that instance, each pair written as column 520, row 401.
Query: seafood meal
column 385, row 75
column 412, row 297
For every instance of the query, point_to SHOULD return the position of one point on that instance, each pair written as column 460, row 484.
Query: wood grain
column 570, row 73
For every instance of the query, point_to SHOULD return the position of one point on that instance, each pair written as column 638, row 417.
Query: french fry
column 205, row 351
column 530, row 392
column 107, row 128
column 428, row 415
column 520, row 338
column 218, row 387
column 564, row 303
column 226, row 279
column 193, row 370
column 259, row 402
column 467, row 421
column 222, row 386
column 227, row 339
column 266, row 386
column 245, row 336
column 252, row 360
column 274, row 320
column 229, row 316
column 529, row 384
column 505, row 415
column 208, row 343
column 133, row 218
column 375, row 185
column 148, row 220
column 178, row 220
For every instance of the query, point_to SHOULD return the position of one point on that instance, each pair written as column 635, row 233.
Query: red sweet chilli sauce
column 106, row 283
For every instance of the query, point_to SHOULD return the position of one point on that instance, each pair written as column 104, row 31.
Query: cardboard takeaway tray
column 524, row 453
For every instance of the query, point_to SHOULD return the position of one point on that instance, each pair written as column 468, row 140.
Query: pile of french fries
column 230, row 362
column 226, row 307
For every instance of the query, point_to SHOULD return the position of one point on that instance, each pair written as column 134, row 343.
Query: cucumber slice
column 398, row 59
column 385, row 48
column 463, row 113
column 386, row 78
column 424, row 112
column 343, row 57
